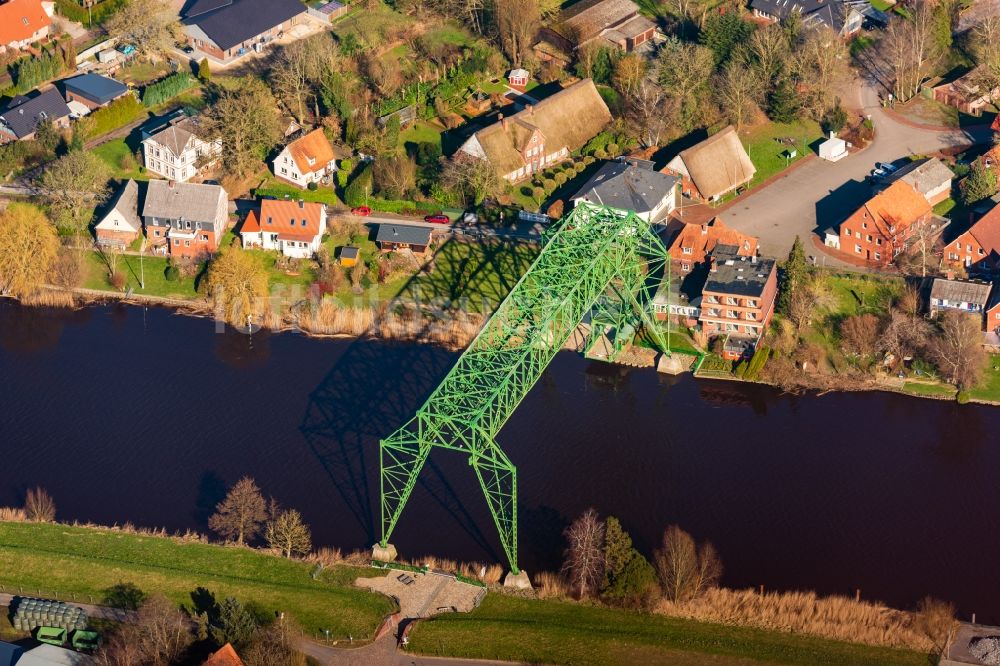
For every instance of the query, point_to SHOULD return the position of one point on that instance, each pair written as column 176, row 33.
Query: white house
column 308, row 159
column 631, row 185
column 294, row 228
column 176, row 152
column 121, row 224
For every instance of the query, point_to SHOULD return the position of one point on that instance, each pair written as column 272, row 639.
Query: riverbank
column 79, row 563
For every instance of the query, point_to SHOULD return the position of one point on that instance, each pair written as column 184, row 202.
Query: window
column 730, row 300
column 685, row 267
column 857, row 248
column 303, row 223
column 204, row 237
column 857, row 234
column 156, row 232
column 847, row 232
column 878, row 257
column 269, row 220
column 751, row 316
column 177, row 241
column 751, row 303
column 687, row 250
column 731, row 314
column 864, row 225
column 878, row 241
column 981, row 253
column 284, row 170
column 968, row 248
column 187, row 243
column 953, row 256
column 869, row 238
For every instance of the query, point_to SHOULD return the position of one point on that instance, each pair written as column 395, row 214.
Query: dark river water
column 126, row 414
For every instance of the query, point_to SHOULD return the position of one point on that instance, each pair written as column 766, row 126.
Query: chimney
column 949, row 275
column 302, row 204
column 530, row 109
column 503, row 121
column 712, row 265
column 704, row 229
column 170, row 184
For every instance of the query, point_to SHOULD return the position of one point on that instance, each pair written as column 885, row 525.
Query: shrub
column 312, row 187
column 118, row 280
column 588, row 160
column 39, row 506
column 167, row 88
column 560, row 178
column 962, row 397
column 549, row 184
column 171, row 273
column 121, row 112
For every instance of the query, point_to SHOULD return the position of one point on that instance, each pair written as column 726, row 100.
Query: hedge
column 72, row 10
column 119, row 113
column 29, row 72
column 167, row 88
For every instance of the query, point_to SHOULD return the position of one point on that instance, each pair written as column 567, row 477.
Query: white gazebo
column 833, row 149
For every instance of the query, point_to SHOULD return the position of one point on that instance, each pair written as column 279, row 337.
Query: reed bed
column 835, row 617
column 12, row 514
column 550, row 585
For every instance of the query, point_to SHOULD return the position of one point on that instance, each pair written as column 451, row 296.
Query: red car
column 362, row 211
column 438, row 219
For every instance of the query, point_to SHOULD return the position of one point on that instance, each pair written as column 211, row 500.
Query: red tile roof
column 701, row 239
column 898, row 206
column 986, row 231
column 21, row 19
column 226, row 656
column 295, row 218
column 311, row 152
column 250, row 224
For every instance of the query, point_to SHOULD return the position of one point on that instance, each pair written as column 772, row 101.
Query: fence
column 95, row 49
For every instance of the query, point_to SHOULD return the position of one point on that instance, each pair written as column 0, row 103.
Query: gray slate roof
column 175, row 137
column 98, row 89
column 23, row 114
column 831, row 13
column 400, row 233
column 627, row 187
column 923, row 175
column 961, row 291
column 127, row 203
column 229, row 23
column 740, row 276
column 187, row 201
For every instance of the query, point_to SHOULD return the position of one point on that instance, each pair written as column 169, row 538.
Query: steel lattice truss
column 596, row 265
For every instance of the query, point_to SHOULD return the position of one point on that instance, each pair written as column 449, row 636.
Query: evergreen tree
column 392, row 134
column 783, row 103
column 628, row 578
column 204, row 71
column 235, row 625
column 358, row 190
column 723, row 33
column 793, row 274
column 979, row 184
column 835, row 119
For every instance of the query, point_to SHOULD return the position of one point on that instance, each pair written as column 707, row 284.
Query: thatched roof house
column 542, row 134
column 717, row 165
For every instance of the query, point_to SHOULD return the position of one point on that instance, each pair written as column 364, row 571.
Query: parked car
column 188, row 49
column 886, row 167
column 362, row 211
column 438, row 219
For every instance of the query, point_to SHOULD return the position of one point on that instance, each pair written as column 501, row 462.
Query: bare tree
column 395, row 176
column 517, row 23
column 685, row 71
column 629, row 72
column 652, row 112
column 769, row 51
column 738, row 90
column 240, row 515
column 39, row 506
column 73, row 185
column 286, row 532
column 149, row 25
column 686, row 570
column 245, row 120
column 237, row 281
column 904, row 334
column 471, row 180
column 860, row 334
column 908, row 47
column 159, row 637
column 822, row 63
column 957, row 349
column 584, row 564
column 985, row 42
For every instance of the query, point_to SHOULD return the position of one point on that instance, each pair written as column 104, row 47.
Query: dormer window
column 269, row 220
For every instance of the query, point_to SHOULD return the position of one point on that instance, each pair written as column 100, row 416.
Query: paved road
column 383, row 653
column 821, row 194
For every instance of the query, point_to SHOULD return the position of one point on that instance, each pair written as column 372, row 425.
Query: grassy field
column 554, row 632
column 924, row 389
column 153, row 270
column 85, row 562
column 990, row 388
column 275, row 188
column 856, row 295
column 768, row 155
column 120, row 158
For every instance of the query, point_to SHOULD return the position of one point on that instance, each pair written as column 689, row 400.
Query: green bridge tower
column 597, row 265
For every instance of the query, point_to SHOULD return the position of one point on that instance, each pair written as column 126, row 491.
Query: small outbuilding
column 518, row 79
column 833, row 149
column 93, row 90
column 403, row 236
column 349, row 256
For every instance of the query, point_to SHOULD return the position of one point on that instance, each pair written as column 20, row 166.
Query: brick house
column 23, row 22
column 120, row 225
column 294, row 228
column 843, row 17
column 21, row 117
column 609, row 23
column 308, row 159
column 225, row 30
column 692, row 244
column 185, row 219
column 929, row 176
column 713, row 167
column 966, row 94
column 176, row 152
column 542, row 134
column 978, row 249
column 968, row 296
column 738, row 300
column 877, row 232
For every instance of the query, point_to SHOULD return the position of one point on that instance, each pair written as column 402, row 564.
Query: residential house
column 93, row 90
column 177, row 152
column 978, row 249
column 693, row 244
column 121, row 224
column 224, row 656
column 714, row 167
column 738, row 300
column 966, row 94
column 23, row 22
column 610, row 23
column 294, row 228
column 877, row 232
column 991, row 319
column 969, row 296
column 929, row 176
column 631, row 185
column 308, row 159
column 541, row 134
column 844, row 17
column 185, row 219
column 401, row 237
column 20, row 118
column 225, row 30
column 41, row 655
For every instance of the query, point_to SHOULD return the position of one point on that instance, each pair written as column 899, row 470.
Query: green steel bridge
column 596, row 265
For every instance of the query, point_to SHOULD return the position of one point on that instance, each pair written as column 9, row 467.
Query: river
column 141, row 415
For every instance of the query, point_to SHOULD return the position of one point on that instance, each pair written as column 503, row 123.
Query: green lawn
column 152, row 270
column 769, row 156
column 921, row 388
column 554, row 632
column 116, row 155
column 856, row 295
column 85, row 562
column 990, row 388
column 882, row 5
column 275, row 188
column 420, row 131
